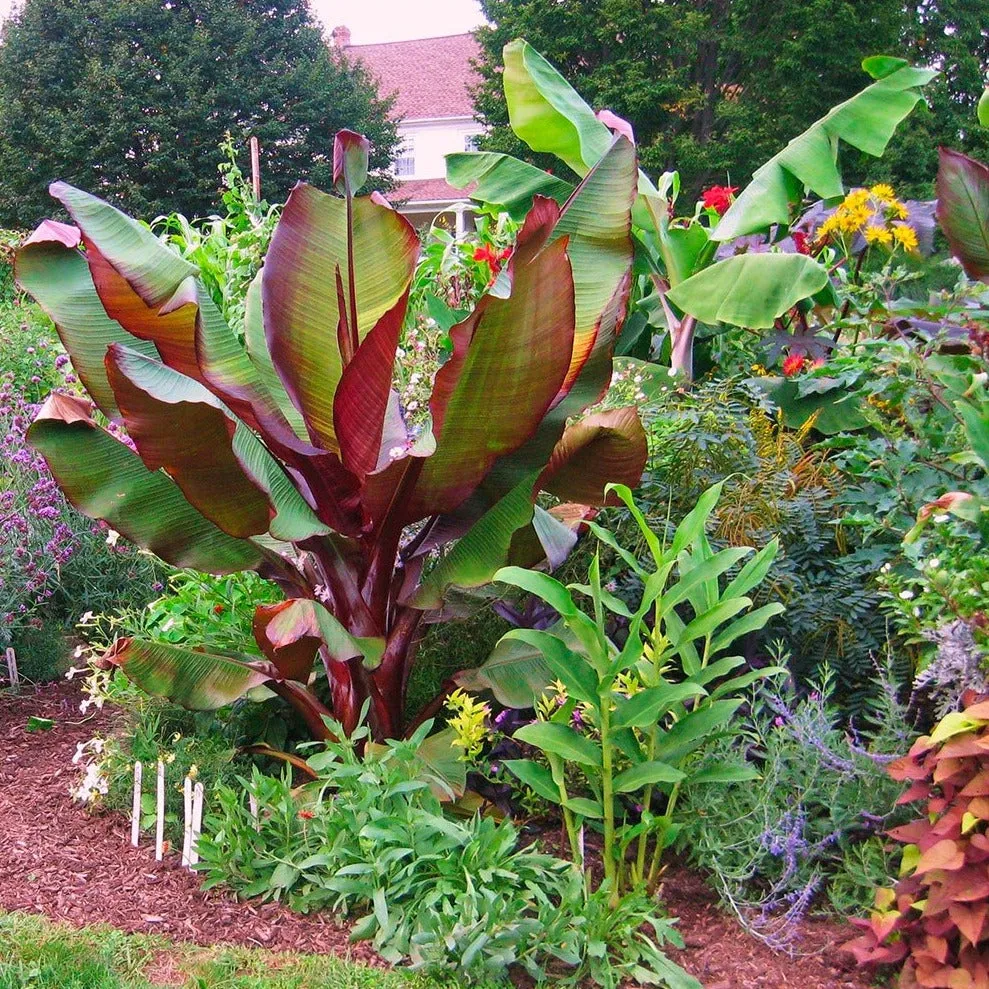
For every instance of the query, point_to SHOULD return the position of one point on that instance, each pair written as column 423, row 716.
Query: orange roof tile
column 431, row 76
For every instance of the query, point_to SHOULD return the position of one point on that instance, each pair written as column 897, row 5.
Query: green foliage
column 228, row 249
column 134, row 98
column 368, row 837
column 809, row 828
column 631, row 719
column 714, row 88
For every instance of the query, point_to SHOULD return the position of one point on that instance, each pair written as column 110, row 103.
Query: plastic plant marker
column 252, row 802
column 160, row 818
column 197, row 823
column 12, row 675
column 135, row 811
column 186, row 820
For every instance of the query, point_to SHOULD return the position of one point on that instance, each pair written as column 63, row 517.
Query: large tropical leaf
column 482, row 550
column 963, row 209
column 515, row 672
column 749, row 289
column 221, row 466
column 547, row 112
column 51, row 269
column 105, row 479
column 510, row 358
column 333, row 263
column 604, row 448
column 809, row 163
column 503, row 182
column 195, row 680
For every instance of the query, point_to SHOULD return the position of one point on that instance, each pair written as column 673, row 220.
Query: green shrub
column 811, row 826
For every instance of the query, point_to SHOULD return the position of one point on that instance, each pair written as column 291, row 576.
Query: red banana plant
column 289, row 454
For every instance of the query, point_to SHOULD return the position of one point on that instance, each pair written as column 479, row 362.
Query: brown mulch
column 57, row 860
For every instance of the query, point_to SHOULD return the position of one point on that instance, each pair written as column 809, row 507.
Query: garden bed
column 59, row 861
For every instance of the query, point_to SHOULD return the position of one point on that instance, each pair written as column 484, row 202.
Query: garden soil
column 77, row 867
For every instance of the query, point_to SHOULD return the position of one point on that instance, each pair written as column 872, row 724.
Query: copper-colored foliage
column 934, row 920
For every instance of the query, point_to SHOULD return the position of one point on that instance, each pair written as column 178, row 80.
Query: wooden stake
column 187, row 820
column 160, row 810
column 197, row 823
column 135, row 813
column 252, row 802
column 256, row 168
column 12, row 674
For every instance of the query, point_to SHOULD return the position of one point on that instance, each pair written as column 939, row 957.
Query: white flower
column 80, row 752
column 941, row 518
column 412, row 406
column 77, row 652
column 322, row 593
column 414, row 377
column 885, row 568
column 111, row 537
column 934, row 563
column 395, row 452
column 74, row 671
column 88, row 616
column 906, row 595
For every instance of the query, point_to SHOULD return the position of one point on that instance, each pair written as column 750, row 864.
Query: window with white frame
column 405, row 163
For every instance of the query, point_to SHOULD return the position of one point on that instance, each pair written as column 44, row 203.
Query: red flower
column 218, row 609
column 306, row 815
column 486, row 253
column 719, row 198
column 800, row 241
column 793, row 364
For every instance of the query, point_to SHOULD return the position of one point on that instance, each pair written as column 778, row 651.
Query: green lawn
column 38, row 954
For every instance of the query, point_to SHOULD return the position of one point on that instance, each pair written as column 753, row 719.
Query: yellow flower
column 857, row 197
column 877, row 235
column 905, row 236
column 469, row 723
column 884, row 192
column 898, row 210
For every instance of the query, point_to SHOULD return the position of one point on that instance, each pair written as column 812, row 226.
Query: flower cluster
column 875, row 214
column 719, row 198
column 94, row 784
column 469, row 723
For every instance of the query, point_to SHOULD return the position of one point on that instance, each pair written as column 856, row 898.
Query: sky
column 385, row 20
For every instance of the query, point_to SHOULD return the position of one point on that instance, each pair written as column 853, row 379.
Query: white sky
column 385, row 20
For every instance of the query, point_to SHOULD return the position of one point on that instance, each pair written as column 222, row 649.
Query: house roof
column 431, row 76
column 425, row 191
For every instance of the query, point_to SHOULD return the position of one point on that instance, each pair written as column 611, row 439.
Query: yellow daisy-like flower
column 898, row 210
column 884, row 192
column 905, row 236
column 877, row 235
column 857, row 197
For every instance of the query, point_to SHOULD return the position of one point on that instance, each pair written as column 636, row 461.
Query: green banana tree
column 289, row 454
column 683, row 281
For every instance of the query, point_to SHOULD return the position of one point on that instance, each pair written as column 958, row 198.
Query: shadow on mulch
column 57, row 860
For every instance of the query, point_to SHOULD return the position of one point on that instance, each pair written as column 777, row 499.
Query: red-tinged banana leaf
column 294, row 655
column 301, row 306
column 255, row 394
column 361, row 403
column 963, row 210
column 603, row 448
column 476, row 556
column 596, row 221
column 203, row 681
column 257, row 352
column 350, row 157
column 104, row 479
column 221, row 466
column 302, row 619
column 55, row 273
column 509, row 359
column 153, row 271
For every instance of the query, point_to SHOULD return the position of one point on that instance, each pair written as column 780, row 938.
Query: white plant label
column 135, row 812
column 187, row 821
column 160, row 814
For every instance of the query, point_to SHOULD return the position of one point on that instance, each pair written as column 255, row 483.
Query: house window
column 405, row 163
column 472, row 142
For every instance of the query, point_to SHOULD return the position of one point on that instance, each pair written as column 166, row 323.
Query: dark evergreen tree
column 130, row 99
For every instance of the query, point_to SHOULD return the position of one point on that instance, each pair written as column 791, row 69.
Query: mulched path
column 56, row 860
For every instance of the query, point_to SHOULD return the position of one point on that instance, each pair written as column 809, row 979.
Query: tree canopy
column 130, row 99
column 715, row 87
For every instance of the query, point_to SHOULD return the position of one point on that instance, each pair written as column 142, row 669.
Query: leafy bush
column 934, row 919
column 809, row 827
column 627, row 719
column 369, row 837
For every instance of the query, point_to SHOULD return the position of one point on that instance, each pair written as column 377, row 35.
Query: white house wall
column 432, row 140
